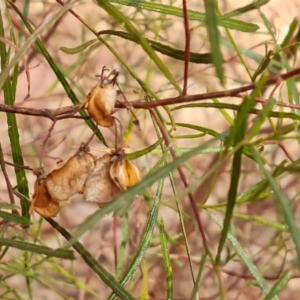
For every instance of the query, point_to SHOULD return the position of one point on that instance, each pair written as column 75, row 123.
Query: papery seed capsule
column 69, row 178
column 99, row 187
column 95, row 106
column 42, row 202
column 124, row 173
column 100, row 103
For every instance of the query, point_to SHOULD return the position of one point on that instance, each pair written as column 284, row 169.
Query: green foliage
column 217, row 175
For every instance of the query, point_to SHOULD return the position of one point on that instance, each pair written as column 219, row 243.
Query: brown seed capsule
column 69, row 178
column 124, row 173
column 100, row 102
column 99, row 187
column 42, row 202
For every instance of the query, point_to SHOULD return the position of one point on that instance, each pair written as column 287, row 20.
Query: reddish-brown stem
column 18, row 166
column 69, row 111
column 182, row 176
column 287, row 153
column 282, row 147
column 129, row 107
column 45, row 140
column 282, row 104
column 198, row 97
column 70, row 10
column 8, row 184
column 187, row 47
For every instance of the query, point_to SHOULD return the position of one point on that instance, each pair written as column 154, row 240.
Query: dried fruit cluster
column 99, row 179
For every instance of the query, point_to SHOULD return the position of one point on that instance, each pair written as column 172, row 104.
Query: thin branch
column 8, row 184
column 18, row 166
column 45, row 141
column 183, row 178
column 52, row 114
column 70, row 111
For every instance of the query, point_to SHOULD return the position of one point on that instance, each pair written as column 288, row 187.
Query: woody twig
column 70, row 111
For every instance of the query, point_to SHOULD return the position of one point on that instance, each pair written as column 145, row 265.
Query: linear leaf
column 92, row 262
column 255, row 111
column 261, row 118
column 239, row 131
column 145, row 240
column 241, row 10
column 79, row 48
column 192, row 15
column 198, row 58
column 9, row 89
column 122, row 250
column 283, row 204
column 213, row 35
column 15, row 218
column 59, row 253
column 166, row 259
column 245, row 258
column 280, row 284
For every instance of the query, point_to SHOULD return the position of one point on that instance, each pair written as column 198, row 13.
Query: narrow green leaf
column 283, row 204
column 192, row 15
column 244, row 257
column 182, row 225
column 8, row 206
column 254, row 111
column 9, row 217
column 280, row 284
column 120, row 17
column 79, row 48
column 59, row 253
column 197, row 287
column 261, row 118
column 263, row 65
column 9, row 89
column 213, row 35
column 198, row 128
column 293, row 95
column 222, row 111
column 92, row 262
column 241, row 10
column 145, row 240
column 288, row 40
column 166, row 259
column 264, row 221
column 239, row 130
column 235, row 139
column 142, row 152
column 121, row 254
column 198, row 58
column 262, row 185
